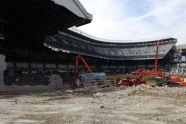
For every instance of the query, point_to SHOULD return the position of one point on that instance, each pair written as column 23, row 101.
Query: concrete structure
column 78, row 43
column 55, row 83
column 180, row 60
column 76, row 7
column 40, row 49
column 23, row 26
column 2, row 69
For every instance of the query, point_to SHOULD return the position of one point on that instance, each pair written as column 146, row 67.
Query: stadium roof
column 74, row 6
column 30, row 19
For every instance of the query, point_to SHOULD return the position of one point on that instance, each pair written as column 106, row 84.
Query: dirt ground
column 132, row 105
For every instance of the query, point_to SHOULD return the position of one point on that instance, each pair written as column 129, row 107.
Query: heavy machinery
column 138, row 71
column 174, row 81
column 152, row 72
column 171, row 80
column 86, row 78
column 79, row 57
column 142, row 72
column 155, row 71
column 131, row 82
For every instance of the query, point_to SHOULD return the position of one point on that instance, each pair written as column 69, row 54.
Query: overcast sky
column 136, row 19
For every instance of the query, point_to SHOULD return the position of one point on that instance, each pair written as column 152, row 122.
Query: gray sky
column 136, row 19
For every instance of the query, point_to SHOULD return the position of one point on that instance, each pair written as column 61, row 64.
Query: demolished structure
column 36, row 42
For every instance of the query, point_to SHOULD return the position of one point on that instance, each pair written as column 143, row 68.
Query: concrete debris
column 140, row 104
column 137, row 105
column 59, row 92
column 69, row 91
column 102, row 106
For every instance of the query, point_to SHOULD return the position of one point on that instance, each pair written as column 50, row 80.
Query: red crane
column 157, row 55
column 155, row 71
column 79, row 57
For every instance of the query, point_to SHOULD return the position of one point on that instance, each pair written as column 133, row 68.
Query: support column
column 3, row 67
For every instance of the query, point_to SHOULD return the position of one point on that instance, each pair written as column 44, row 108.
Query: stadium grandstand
column 76, row 43
column 180, row 61
column 112, row 56
column 36, row 41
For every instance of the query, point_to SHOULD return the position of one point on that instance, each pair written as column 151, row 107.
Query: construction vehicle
column 138, row 71
column 79, row 57
column 131, row 82
column 173, row 81
column 142, row 72
column 85, row 78
column 155, row 71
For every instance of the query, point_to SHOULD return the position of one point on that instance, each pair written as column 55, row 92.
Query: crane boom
column 155, row 71
column 79, row 57
column 157, row 55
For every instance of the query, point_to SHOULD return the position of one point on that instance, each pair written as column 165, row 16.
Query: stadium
column 37, row 40
column 51, row 72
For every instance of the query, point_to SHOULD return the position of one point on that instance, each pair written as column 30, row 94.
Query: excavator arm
column 152, row 72
column 79, row 57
